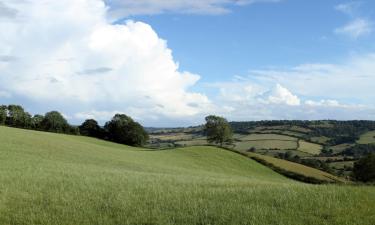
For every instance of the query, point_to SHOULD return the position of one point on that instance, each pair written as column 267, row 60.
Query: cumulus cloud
column 68, row 54
column 308, row 91
column 125, row 8
column 350, row 80
column 281, row 95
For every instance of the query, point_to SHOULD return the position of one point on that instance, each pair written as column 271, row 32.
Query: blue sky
column 170, row 63
column 283, row 34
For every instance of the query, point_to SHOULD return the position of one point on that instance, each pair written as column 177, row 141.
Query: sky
column 170, row 63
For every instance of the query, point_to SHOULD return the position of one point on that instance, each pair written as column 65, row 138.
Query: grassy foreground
column 58, row 179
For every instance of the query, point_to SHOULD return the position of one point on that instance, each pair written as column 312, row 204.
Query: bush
column 364, row 169
column 91, row 128
column 124, row 130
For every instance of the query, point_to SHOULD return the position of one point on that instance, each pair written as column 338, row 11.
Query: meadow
column 50, row 178
column 367, row 138
column 311, row 148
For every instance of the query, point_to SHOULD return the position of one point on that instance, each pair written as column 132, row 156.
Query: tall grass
column 58, row 179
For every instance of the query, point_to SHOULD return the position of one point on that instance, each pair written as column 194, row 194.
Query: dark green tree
column 364, row 169
column 123, row 129
column 17, row 117
column 55, row 122
column 74, row 130
column 91, row 128
column 36, row 122
column 218, row 130
column 3, row 114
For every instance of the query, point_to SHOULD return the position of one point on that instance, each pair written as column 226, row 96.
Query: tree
column 364, row 169
column 36, row 122
column 3, row 114
column 91, row 128
column 218, row 130
column 123, row 129
column 17, row 117
column 55, row 122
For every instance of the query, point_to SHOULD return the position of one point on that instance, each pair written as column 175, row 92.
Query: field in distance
column 332, row 146
column 49, row 178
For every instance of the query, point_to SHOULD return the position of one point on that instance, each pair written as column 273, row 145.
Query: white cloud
column 351, row 80
column 124, row 8
column 93, row 69
column 356, row 28
column 329, row 103
column 308, row 91
column 281, row 95
column 68, row 54
column 97, row 115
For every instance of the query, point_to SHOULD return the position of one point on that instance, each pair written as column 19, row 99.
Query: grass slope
column 367, row 138
column 310, row 148
column 265, row 144
column 257, row 137
column 297, row 168
column 58, row 179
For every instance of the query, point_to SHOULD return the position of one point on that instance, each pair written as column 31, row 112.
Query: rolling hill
column 50, row 178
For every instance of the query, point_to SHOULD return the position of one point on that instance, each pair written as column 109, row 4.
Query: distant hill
column 329, row 145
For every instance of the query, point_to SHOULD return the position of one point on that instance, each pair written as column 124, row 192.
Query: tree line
column 120, row 129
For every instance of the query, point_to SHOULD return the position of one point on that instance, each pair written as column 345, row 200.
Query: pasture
column 265, row 144
column 367, row 138
column 50, row 178
column 256, row 137
column 307, row 147
column 297, row 168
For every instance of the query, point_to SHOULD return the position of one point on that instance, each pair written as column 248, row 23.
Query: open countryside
column 195, row 185
column 187, row 112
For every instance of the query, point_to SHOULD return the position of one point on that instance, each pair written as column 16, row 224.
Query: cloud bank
column 68, row 56
column 76, row 57
column 308, row 91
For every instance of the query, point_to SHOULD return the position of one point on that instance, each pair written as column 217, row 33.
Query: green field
column 193, row 142
column 256, row 137
column 308, row 147
column 341, row 147
column 173, row 137
column 276, row 153
column 49, row 178
column 342, row 165
column 367, row 138
column 320, row 140
column 265, row 141
column 297, row 168
column 265, row 144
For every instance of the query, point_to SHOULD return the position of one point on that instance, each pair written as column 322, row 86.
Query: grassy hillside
column 58, row 179
column 367, row 138
column 312, row 143
column 308, row 147
column 296, row 168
